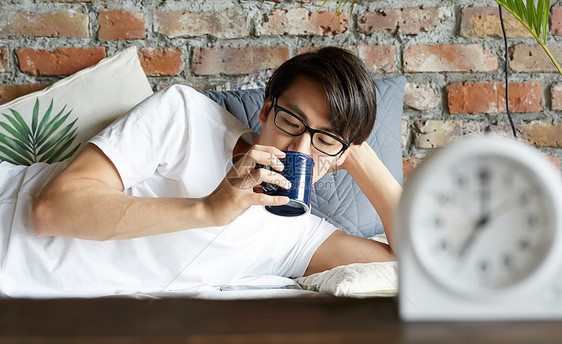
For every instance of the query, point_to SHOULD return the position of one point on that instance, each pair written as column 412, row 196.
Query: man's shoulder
column 181, row 90
column 185, row 96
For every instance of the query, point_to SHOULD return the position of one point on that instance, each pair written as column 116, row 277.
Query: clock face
column 482, row 222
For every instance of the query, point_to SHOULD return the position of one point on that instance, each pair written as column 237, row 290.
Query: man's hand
column 240, row 189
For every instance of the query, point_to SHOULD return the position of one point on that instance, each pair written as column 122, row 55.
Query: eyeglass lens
column 294, row 126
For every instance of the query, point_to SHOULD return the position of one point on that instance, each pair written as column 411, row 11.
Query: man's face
column 306, row 99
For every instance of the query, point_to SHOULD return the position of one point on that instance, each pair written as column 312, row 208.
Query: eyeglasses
column 293, row 125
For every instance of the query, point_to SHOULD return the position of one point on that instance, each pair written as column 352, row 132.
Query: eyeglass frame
column 307, row 128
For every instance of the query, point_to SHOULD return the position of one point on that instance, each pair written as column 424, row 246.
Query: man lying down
column 149, row 200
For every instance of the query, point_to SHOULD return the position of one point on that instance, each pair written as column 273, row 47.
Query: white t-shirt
column 177, row 143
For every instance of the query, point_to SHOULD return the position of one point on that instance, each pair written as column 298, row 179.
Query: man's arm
column 86, row 201
column 376, row 182
column 342, row 249
column 383, row 191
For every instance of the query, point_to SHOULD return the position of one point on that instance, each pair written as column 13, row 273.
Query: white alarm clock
column 480, row 234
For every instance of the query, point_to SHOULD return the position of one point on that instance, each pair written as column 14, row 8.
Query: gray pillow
column 336, row 197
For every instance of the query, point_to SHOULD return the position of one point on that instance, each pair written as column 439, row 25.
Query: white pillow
column 356, row 280
column 92, row 98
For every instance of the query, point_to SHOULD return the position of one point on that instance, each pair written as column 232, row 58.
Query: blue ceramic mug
column 298, row 170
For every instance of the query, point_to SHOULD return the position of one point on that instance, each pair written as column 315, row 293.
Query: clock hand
column 508, row 204
column 487, row 218
column 480, row 224
column 485, row 209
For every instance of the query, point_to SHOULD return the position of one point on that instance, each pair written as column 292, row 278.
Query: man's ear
column 265, row 110
column 343, row 156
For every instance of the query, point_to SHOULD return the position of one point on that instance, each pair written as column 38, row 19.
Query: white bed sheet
column 259, row 287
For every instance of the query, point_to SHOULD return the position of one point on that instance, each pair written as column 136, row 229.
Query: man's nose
column 301, row 143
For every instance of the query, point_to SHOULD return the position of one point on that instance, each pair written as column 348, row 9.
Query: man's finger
column 271, row 177
column 264, row 199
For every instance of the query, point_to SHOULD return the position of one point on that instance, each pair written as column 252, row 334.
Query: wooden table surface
column 295, row 320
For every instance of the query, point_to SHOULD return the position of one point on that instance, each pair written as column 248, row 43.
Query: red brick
column 409, row 165
column 378, row 58
column 310, row 48
column 539, row 133
column 161, row 62
column 556, row 20
column 420, row 97
column 532, row 58
column 11, row 92
column 405, row 20
column 437, row 133
column 380, row 20
column 556, row 92
column 449, row 58
column 67, row 23
column 61, row 61
column 208, row 61
column 301, row 22
column 118, row 24
column 489, row 97
column 4, row 60
column 485, row 21
column 224, row 24
column 502, row 127
column 543, row 133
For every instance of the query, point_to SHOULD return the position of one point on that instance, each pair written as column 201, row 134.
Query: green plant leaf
column 15, row 150
column 539, row 17
column 43, row 123
column 21, row 144
column 58, row 138
column 521, row 10
column 322, row 5
column 340, row 5
column 534, row 20
column 21, row 121
column 71, row 152
column 53, row 125
column 45, row 139
column 13, row 158
column 62, row 149
column 56, row 150
column 530, row 10
column 17, row 126
column 546, row 11
column 35, row 119
column 45, row 132
column 3, row 158
column 16, row 134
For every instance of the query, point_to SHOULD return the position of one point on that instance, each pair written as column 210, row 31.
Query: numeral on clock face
column 485, row 224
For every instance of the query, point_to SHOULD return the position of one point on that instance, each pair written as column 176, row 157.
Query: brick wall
column 450, row 51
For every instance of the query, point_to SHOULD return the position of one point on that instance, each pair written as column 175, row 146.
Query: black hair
column 349, row 86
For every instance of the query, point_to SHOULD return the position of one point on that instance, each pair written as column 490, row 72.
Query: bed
column 117, row 83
